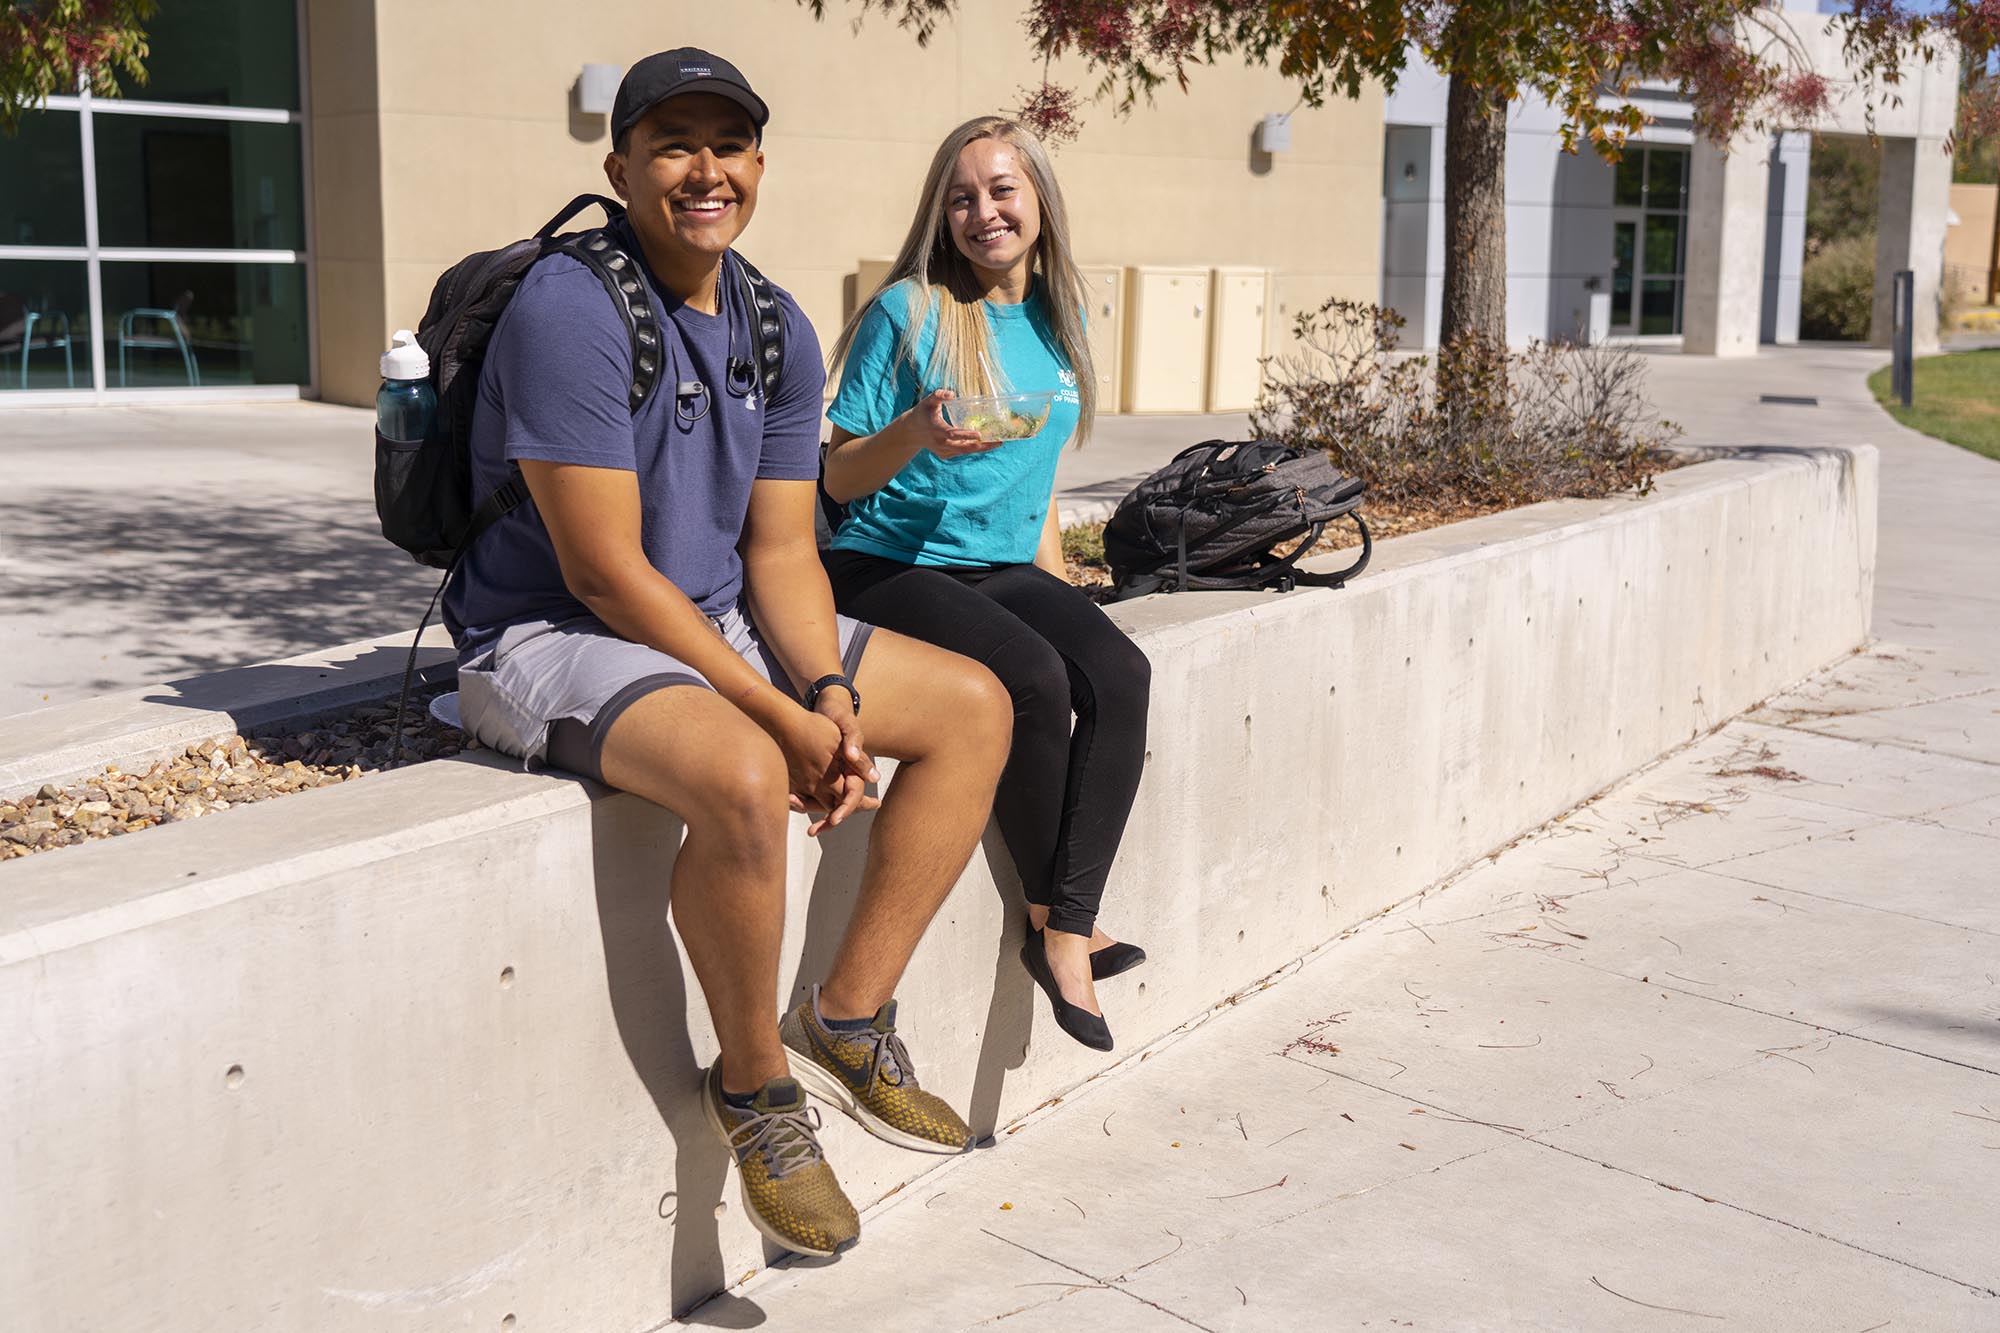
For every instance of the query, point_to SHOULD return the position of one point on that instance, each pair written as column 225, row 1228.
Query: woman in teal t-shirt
column 952, row 538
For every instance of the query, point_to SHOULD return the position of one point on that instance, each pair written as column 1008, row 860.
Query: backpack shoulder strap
column 619, row 273
column 767, row 322
column 1339, row 578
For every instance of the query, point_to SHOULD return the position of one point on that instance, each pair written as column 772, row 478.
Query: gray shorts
column 552, row 691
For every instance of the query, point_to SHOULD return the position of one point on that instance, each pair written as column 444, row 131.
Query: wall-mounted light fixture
column 1274, row 133
column 1410, row 171
column 597, row 88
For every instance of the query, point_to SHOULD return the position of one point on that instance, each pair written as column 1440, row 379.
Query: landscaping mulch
column 222, row 773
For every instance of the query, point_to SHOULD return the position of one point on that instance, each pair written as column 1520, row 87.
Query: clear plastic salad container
column 1006, row 416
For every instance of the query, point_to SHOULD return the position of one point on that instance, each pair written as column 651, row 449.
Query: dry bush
column 1837, row 290
column 1551, row 420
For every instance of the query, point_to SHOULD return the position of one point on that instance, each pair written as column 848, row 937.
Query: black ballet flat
column 1084, row 1027
column 1112, row 959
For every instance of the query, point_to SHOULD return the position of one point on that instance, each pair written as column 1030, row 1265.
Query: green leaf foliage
column 56, row 46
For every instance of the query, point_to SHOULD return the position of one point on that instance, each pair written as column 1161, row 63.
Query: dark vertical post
column 1903, row 306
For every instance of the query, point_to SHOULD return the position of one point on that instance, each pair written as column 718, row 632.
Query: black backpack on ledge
column 1212, row 520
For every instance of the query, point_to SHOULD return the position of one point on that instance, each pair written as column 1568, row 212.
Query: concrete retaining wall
column 419, row 1052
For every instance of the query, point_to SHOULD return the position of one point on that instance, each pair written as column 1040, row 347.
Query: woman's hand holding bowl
column 940, row 436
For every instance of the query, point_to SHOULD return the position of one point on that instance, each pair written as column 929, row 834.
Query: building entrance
column 1649, row 241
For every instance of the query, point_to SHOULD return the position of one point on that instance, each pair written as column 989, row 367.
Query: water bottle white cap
column 405, row 360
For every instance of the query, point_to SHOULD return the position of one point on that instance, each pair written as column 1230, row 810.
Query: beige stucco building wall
column 446, row 127
column 1969, row 247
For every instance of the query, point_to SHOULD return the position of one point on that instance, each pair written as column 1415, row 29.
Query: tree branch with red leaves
column 58, row 46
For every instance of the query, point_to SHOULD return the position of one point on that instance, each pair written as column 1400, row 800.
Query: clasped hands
column 827, row 763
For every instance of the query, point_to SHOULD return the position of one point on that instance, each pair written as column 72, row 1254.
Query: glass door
column 1649, row 241
column 1624, row 272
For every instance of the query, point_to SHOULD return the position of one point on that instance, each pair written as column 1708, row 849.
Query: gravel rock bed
column 221, row 773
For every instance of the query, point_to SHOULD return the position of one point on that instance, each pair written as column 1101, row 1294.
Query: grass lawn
column 1956, row 397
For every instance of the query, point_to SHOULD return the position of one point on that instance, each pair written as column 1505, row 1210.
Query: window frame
column 94, row 255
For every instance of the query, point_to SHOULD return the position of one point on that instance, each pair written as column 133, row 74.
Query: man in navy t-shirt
column 659, row 619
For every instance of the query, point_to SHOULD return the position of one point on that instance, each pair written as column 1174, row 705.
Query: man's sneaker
column 868, row 1075
column 788, row 1189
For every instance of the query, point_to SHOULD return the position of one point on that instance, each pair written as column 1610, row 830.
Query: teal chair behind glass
column 17, row 334
column 175, row 336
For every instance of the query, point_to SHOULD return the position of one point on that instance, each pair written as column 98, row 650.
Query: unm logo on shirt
column 1068, row 378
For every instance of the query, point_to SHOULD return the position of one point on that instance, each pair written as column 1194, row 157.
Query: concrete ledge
column 139, row 726
column 418, row 1051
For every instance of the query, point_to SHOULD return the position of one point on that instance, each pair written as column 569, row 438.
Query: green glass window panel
column 1663, row 244
column 1659, row 306
column 172, row 324
column 41, row 181
column 1666, row 177
column 222, row 53
column 199, row 184
column 44, row 324
column 1624, row 237
column 1628, row 189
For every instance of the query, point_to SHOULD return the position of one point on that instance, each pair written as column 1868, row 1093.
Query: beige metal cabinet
column 868, row 275
column 1239, row 298
column 856, row 288
column 1166, row 339
column 1104, row 312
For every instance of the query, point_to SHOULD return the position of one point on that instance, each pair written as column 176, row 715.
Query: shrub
column 1837, row 290
column 1551, row 420
column 1084, row 543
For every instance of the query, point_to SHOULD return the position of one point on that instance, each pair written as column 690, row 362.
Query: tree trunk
column 1475, row 215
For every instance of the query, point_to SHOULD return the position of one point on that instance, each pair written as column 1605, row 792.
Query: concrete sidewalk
column 1721, row 1046
column 140, row 544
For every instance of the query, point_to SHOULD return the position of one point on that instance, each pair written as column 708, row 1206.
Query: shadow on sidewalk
column 188, row 577
column 278, row 692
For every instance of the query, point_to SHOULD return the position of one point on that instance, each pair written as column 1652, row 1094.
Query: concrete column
column 1785, row 236
column 345, row 196
column 1727, row 199
column 1909, row 233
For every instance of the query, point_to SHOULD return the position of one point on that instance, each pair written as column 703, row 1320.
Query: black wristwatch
column 813, row 691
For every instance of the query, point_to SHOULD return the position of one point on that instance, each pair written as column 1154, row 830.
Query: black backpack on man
column 1214, row 517
column 423, row 491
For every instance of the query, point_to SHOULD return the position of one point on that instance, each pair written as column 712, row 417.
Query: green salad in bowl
column 1006, row 416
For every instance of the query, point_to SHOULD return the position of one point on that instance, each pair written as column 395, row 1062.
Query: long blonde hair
column 939, row 275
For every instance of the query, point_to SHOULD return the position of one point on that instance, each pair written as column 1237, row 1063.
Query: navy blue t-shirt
column 554, row 387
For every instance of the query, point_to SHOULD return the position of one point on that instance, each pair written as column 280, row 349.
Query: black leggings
column 1065, row 795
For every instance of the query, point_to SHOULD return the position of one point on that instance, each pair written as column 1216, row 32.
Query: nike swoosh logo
column 854, row 1078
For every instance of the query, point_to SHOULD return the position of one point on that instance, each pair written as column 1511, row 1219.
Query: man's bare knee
column 980, row 713
column 739, row 798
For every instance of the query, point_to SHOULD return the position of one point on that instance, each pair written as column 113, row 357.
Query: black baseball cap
column 686, row 69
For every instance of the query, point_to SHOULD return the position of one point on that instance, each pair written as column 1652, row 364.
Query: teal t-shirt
column 981, row 509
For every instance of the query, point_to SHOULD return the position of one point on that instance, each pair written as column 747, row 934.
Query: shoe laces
column 892, row 1061
column 785, row 1139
